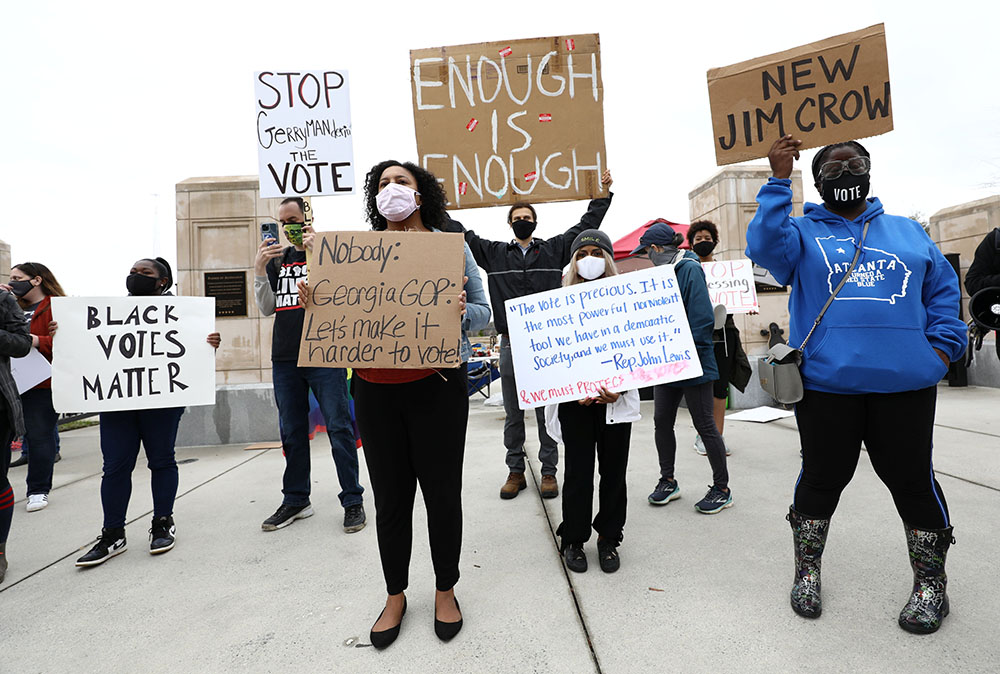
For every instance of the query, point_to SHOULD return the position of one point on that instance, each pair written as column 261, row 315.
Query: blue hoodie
column 902, row 300
column 701, row 318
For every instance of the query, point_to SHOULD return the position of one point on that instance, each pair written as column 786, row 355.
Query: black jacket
column 985, row 269
column 512, row 273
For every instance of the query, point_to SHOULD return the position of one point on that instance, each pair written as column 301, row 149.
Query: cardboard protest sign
column 384, row 299
column 731, row 283
column 304, row 142
column 29, row 371
column 621, row 332
column 127, row 353
column 521, row 120
column 821, row 93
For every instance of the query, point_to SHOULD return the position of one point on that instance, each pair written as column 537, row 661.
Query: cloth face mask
column 590, row 267
column 396, row 202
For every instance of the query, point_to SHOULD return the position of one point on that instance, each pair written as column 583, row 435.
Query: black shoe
column 447, row 631
column 58, row 458
column 575, row 559
column 20, row 461
column 161, row 535
column 382, row 639
column 285, row 515
column 607, row 555
column 112, row 542
column 354, row 518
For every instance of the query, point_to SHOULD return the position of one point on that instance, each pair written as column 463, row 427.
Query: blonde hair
column 572, row 277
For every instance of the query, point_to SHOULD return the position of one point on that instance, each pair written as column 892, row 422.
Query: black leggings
column 897, row 429
column 666, row 400
column 585, row 433
column 415, row 433
column 6, row 492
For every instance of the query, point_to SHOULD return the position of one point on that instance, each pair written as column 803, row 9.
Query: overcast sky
column 107, row 106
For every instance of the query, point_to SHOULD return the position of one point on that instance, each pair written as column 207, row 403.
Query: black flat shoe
column 447, row 631
column 382, row 639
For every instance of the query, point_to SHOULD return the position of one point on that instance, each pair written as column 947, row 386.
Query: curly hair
column 432, row 198
column 702, row 226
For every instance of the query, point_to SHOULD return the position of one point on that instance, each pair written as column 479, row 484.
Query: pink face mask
column 396, row 202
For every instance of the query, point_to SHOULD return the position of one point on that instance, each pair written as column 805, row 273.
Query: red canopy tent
column 625, row 245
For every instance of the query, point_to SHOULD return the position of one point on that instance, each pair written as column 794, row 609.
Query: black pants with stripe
column 897, row 430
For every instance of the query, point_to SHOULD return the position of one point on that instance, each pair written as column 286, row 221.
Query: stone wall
column 729, row 200
column 4, row 261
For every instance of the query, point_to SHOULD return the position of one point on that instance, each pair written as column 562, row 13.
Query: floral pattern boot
column 928, row 604
column 809, row 539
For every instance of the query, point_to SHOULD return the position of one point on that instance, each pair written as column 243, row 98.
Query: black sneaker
column 285, row 515
column 575, row 559
column 354, row 518
column 607, row 554
column 112, row 542
column 161, row 535
column 715, row 501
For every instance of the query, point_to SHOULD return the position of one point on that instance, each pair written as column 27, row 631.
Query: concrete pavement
column 694, row 593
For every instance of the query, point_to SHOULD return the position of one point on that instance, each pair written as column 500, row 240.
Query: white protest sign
column 304, row 145
column 621, row 332
column 125, row 353
column 730, row 282
column 30, row 370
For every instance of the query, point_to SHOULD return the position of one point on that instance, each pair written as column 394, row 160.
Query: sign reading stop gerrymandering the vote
column 622, row 332
column 731, row 283
column 128, row 353
column 304, row 144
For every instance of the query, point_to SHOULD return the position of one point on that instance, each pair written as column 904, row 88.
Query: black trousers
column 413, row 434
column 6, row 492
column 666, row 400
column 586, row 433
column 897, row 429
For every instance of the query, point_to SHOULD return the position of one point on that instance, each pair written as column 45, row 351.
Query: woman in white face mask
column 598, row 426
column 413, row 422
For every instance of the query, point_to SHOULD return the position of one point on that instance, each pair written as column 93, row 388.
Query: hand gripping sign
column 622, row 332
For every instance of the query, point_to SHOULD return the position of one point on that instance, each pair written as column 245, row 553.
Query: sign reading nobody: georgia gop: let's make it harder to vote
column 304, row 144
column 128, row 353
column 622, row 332
column 384, row 300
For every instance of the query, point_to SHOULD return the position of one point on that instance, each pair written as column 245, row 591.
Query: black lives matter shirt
column 283, row 273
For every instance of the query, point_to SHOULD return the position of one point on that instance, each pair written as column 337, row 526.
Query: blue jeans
column 291, row 391
column 40, row 424
column 24, row 442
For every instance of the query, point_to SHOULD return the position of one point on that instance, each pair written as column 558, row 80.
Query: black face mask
column 20, row 288
column 703, row 248
column 523, row 228
column 846, row 192
column 138, row 284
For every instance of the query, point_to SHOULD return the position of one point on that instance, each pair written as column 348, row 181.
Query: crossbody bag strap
column 829, row 301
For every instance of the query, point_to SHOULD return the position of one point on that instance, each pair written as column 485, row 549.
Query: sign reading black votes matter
column 385, row 300
column 502, row 122
column 622, row 332
column 304, row 144
column 821, row 93
column 127, row 353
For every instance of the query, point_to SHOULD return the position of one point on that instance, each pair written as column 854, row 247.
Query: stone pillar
column 218, row 230
column 729, row 200
column 960, row 229
column 4, row 261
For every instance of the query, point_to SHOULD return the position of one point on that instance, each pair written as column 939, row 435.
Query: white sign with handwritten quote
column 622, row 332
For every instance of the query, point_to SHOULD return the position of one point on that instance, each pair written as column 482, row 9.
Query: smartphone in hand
column 269, row 230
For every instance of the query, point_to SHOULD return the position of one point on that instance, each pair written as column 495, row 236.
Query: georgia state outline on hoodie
column 898, row 305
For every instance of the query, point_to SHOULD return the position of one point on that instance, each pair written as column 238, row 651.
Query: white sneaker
column 699, row 446
column 37, row 502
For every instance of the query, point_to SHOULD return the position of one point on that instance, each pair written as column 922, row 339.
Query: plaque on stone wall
column 229, row 288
